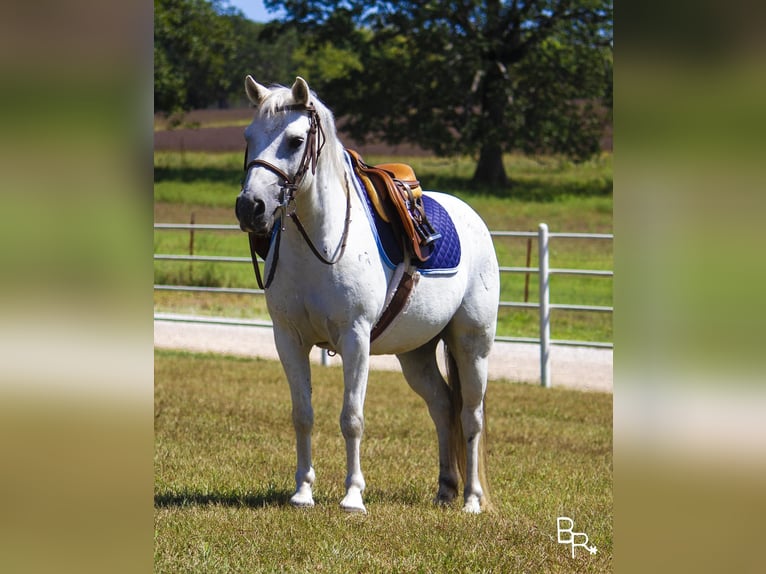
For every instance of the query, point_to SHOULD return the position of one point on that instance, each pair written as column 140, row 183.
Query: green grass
column 224, row 465
column 207, row 179
column 568, row 197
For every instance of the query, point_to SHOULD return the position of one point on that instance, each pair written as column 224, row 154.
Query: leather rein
column 314, row 143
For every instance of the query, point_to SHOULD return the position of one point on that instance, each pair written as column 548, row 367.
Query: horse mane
column 333, row 150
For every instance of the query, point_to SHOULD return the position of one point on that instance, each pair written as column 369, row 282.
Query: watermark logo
column 565, row 535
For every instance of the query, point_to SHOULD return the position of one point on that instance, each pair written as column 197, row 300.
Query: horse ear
column 301, row 91
column 256, row 93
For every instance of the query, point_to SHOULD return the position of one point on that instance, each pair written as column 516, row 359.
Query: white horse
column 327, row 285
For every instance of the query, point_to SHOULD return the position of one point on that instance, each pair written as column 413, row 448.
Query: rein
column 314, row 144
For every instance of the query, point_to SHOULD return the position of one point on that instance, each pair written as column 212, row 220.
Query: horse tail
column 457, row 441
column 483, row 478
column 457, row 446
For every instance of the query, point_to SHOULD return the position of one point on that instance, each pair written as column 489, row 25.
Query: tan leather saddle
column 397, row 196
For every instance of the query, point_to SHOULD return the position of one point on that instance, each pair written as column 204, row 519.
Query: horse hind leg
column 467, row 366
column 421, row 371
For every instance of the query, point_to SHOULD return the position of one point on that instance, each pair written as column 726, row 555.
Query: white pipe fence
column 545, row 307
column 543, row 270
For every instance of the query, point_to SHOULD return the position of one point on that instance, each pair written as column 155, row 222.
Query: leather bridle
column 314, row 144
column 315, row 141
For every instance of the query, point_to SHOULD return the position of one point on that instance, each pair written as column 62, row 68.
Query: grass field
column 224, row 465
column 568, row 197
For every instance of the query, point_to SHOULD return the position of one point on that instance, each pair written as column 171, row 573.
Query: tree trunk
column 490, row 169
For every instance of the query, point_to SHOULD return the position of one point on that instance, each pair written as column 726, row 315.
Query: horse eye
column 295, row 142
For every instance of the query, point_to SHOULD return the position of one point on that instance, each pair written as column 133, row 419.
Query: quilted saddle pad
column 446, row 252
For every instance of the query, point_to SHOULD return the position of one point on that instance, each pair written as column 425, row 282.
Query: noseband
column 314, row 143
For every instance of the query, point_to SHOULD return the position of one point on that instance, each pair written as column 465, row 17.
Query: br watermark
column 565, row 535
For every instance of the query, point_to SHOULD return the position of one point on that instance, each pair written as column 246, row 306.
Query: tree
column 203, row 49
column 266, row 55
column 193, row 45
column 469, row 76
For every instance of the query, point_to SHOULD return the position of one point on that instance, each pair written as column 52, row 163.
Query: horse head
column 283, row 145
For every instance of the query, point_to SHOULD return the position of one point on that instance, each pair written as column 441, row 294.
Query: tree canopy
column 203, row 49
column 479, row 77
column 192, row 48
column 470, row 76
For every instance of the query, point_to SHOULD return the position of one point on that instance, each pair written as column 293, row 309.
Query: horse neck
column 322, row 208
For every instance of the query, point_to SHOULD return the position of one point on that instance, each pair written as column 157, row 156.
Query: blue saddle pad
column 445, row 254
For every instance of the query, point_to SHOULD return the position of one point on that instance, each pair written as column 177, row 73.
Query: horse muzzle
column 252, row 217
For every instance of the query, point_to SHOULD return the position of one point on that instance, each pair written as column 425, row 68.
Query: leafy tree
column 468, row 76
column 203, row 49
column 325, row 63
column 193, row 46
column 263, row 53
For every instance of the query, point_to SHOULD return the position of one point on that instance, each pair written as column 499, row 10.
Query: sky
column 254, row 10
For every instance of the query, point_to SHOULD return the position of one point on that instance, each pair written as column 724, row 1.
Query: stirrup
column 426, row 232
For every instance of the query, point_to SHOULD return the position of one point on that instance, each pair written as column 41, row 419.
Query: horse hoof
column 301, row 500
column 353, row 503
column 443, row 499
column 472, row 506
column 353, row 509
column 445, row 495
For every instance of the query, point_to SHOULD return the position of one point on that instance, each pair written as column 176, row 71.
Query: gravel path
column 581, row 368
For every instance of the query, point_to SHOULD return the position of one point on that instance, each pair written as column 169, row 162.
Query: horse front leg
column 356, row 358
column 295, row 361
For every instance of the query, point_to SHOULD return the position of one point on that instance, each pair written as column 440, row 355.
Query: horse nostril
column 249, row 211
column 239, row 207
column 259, row 208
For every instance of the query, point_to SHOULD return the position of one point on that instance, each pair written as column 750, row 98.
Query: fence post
column 545, row 311
column 191, row 249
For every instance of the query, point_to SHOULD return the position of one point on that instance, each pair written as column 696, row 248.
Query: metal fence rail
column 542, row 269
column 545, row 306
